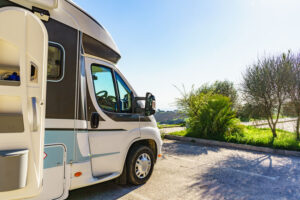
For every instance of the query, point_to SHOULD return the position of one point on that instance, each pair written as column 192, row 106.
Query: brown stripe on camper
column 95, row 48
column 61, row 95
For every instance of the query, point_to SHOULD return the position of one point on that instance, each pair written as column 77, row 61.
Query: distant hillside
column 169, row 117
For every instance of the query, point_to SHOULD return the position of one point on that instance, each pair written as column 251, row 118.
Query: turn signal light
column 159, row 155
column 77, row 174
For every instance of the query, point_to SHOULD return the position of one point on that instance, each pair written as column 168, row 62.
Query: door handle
column 95, row 120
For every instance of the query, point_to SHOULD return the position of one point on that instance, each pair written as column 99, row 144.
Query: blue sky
column 173, row 42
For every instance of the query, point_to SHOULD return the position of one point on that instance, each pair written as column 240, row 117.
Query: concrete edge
column 233, row 145
column 172, row 127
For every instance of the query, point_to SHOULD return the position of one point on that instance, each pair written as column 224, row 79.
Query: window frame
column 118, row 89
column 62, row 70
column 114, row 83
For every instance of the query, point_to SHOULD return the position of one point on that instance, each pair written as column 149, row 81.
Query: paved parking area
column 189, row 171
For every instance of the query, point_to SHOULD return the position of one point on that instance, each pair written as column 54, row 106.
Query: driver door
column 23, row 68
column 115, row 127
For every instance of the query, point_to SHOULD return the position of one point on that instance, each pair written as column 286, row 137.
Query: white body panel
column 45, row 3
column 53, row 184
column 56, row 180
column 24, row 32
column 109, row 150
column 87, row 178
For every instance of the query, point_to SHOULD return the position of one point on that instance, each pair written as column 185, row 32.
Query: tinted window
column 55, row 62
column 104, row 87
column 125, row 95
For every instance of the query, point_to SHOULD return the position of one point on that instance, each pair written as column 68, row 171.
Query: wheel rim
column 142, row 165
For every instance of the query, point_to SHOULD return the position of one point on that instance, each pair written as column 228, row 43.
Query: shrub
column 210, row 115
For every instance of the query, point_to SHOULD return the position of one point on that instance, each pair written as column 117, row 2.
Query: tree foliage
column 225, row 88
column 248, row 111
column 294, row 87
column 265, row 85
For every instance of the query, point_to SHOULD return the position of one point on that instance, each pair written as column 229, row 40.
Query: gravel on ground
column 189, row 171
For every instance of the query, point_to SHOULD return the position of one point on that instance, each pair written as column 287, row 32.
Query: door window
column 104, row 87
column 125, row 95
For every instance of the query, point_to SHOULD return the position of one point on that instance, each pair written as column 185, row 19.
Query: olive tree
column 265, row 86
column 294, row 88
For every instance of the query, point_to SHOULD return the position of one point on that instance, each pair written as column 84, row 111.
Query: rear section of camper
column 23, row 69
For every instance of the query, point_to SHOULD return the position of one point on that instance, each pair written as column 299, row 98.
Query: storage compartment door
column 23, row 74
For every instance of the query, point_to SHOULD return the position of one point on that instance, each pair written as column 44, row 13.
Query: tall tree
column 294, row 88
column 265, row 86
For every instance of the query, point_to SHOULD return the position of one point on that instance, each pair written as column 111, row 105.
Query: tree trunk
column 272, row 126
column 274, row 132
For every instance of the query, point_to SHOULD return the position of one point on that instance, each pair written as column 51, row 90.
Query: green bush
column 225, row 88
column 211, row 116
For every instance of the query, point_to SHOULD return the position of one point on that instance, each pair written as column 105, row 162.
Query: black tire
column 133, row 155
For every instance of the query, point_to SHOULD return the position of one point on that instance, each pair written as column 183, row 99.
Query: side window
column 125, row 95
column 104, row 87
column 55, row 62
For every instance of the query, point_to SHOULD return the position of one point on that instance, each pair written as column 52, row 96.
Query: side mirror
column 150, row 104
column 95, row 120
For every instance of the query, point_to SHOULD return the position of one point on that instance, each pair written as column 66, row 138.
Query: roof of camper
column 87, row 24
column 67, row 12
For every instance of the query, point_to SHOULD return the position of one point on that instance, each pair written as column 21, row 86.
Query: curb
column 172, row 127
column 233, row 145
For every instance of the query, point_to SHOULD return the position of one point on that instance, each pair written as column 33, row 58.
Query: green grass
column 160, row 126
column 255, row 136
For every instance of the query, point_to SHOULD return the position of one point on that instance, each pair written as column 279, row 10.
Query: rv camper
column 68, row 117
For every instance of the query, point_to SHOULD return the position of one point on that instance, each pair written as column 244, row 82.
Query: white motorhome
column 68, row 117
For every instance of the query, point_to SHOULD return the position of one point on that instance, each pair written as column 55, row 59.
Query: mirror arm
column 137, row 109
column 140, row 98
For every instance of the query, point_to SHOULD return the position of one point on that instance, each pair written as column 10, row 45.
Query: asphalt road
column 189, row 171
column 288, row 124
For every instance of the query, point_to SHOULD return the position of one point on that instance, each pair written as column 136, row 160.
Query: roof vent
column 42, row 14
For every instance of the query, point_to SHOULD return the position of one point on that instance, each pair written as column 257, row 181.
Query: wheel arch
column 146, row 142
column 122, row 179
column 150, row 137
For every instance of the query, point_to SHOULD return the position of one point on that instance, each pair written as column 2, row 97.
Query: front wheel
column 140, row 164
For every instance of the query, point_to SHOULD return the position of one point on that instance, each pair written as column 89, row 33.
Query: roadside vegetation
column 253, row 136
column 270, row 90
